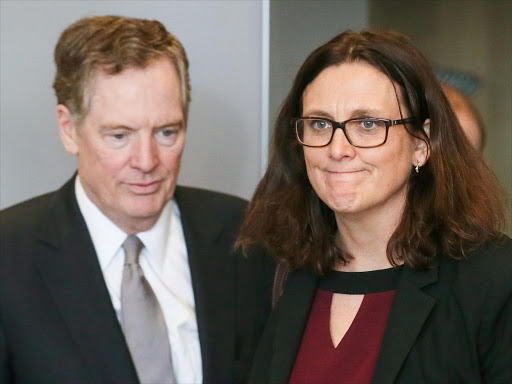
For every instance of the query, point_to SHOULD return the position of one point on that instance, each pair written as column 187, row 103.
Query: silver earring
column 417, row 167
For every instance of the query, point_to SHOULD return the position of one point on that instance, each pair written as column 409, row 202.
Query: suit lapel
column 75, row 281
column 293, row 313
column 409, row 311
column 214, row 287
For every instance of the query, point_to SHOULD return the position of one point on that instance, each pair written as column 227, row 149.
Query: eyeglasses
column 368, row 132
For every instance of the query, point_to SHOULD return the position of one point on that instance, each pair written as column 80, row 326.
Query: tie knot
column 132, row 247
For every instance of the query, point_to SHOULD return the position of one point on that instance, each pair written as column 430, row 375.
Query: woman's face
column 354, row 180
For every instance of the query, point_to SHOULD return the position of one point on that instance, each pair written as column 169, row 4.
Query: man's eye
column 119, row 136
column 167, row 132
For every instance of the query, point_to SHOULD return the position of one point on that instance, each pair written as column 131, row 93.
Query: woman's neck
column 365, row 236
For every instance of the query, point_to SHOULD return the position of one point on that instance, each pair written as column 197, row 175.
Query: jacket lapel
column 293, row 313
column 409, row 311
column 214, row 287
column 73, row 276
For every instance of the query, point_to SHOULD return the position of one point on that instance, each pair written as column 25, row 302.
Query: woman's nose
column 339, row 146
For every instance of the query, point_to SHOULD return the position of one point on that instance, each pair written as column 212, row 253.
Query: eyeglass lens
column 360, row 132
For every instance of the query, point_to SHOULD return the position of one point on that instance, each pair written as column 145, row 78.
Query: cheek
column 314, row 158
column 93, row 153
column 112, row 162
column 170, row 158
column 312, row 162
column 394, row 171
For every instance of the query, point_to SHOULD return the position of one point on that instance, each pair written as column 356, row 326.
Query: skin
column 365, row 187
column 464, row 111
column 130, row 143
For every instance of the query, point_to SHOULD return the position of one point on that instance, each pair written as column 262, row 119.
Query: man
column 121, row 276
column 469, row 118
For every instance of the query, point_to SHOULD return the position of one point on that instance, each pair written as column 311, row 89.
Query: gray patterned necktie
column 143, row 322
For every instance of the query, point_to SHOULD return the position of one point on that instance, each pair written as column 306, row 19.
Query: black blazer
column 57, row 323
column 451, row 324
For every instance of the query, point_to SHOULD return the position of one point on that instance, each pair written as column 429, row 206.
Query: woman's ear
column 422, row 150
column 67, row 129
column 426, row 127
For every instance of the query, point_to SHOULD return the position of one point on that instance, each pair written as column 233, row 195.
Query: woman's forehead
column 355, row 86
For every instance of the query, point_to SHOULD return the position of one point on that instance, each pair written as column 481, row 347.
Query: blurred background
column 243, row 57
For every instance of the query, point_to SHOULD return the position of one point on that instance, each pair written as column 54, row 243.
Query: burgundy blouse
column 353, row 360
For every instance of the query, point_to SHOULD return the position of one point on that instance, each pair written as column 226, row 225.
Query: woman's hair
column 453, row 204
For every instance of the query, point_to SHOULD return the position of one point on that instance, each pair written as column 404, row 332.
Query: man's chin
column 145, row 207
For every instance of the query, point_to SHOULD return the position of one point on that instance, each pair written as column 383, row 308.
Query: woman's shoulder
column 484, row 277
column 492, row 259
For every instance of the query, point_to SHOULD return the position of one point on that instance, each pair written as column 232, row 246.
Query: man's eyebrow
column 110, row 127
column 171, row 124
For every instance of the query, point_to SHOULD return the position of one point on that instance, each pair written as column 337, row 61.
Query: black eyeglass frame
column 341, row 124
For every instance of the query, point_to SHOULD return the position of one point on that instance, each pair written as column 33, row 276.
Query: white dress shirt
column 164, row 261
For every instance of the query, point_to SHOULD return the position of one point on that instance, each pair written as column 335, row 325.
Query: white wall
column 223, row 42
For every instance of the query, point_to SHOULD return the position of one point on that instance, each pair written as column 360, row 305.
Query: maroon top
column 353, row 360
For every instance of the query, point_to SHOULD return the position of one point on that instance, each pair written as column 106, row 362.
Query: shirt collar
column 107, row 238
column 155, row 239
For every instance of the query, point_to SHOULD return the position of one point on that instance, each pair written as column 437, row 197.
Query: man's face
column 465, row 115
column 129, row 145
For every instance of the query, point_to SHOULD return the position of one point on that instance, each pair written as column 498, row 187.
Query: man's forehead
column 158, row 76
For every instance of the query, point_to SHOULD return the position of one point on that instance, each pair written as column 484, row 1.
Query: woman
column 390, row 225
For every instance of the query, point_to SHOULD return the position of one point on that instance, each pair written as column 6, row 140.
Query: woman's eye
column 368, row 124
column 320, row 124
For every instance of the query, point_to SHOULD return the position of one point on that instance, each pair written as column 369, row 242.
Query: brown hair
column 453, row 204
column 110, row 44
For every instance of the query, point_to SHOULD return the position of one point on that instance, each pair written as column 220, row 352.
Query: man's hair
column 453, row 203
column 111, row 44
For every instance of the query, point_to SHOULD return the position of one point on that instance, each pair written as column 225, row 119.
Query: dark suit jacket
column 57, row 323
column 451, row 324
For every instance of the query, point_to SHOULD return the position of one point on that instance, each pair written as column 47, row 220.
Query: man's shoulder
column 212, row 201
column 42, row 209
column 26, row 212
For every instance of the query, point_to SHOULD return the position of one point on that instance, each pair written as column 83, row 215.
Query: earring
column 417, row 167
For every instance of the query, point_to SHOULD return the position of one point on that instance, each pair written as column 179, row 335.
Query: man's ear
column 422, row 151
column 67, row 129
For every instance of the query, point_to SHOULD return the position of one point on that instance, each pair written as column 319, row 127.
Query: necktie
column 143, row 322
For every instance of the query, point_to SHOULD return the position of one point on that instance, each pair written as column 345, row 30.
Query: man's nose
column 145, row 156
column 339, row 146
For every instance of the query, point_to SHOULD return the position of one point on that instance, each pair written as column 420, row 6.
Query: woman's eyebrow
column 359, row 112
column 365, row 112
